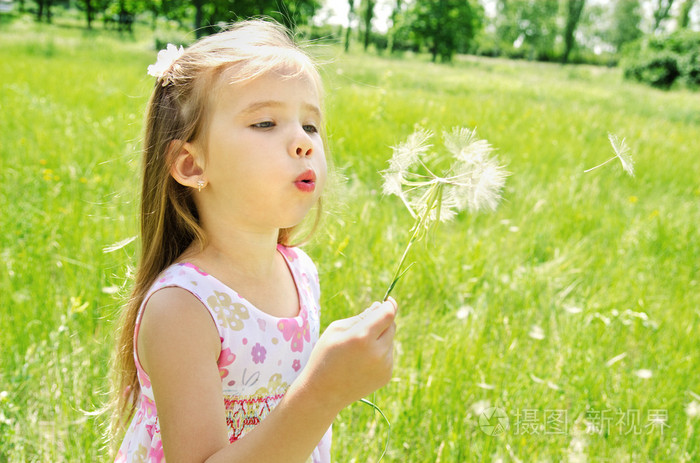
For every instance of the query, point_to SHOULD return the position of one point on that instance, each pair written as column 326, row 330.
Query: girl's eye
column 310, row 128
column 264, row 125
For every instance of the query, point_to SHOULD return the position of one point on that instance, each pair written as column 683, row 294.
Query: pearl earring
column 200, row 185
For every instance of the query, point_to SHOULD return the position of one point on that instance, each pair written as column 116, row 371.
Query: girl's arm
column 178, row 346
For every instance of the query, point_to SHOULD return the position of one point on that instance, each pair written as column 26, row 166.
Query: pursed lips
column 306, row 182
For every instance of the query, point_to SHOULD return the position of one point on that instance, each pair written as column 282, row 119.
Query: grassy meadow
column 573, row 310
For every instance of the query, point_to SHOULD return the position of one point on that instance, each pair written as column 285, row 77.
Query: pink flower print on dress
column 143, row 377
column 230, row 314
column 226, row 358
column 288, row 253
column 148, row 408
column 259, row 353
column 195, row 268
column 291, row 330
column 121, row 457
column 156, row 454
column 296, row 365
column 141, row 454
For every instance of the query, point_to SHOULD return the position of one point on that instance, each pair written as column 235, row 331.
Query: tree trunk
column 392, row 32
column 684, row 15
column 198, row 5
column 368, row 22
column 661, row 12
column 575, row 7
column 351, row 16
column 88, row 13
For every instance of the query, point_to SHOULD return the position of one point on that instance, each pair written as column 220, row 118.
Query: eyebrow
column 276, row 104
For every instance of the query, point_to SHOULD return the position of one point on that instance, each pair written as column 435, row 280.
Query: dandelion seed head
column 392, row 183
column 458, row 139
column 486, row 191
column 407, row 154
column 622, row 151
column 474, row 180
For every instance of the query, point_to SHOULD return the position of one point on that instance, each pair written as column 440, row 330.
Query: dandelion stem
column 600, row 165
column 418, row 226
column 388, row 436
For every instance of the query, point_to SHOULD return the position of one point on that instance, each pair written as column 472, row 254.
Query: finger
column 348, row 323
column 377, row 319
column 393, row 302
column 343, row 324
column 388, row 334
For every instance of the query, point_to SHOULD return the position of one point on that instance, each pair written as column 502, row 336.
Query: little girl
column 219, row 356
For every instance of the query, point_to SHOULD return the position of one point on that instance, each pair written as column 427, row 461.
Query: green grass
column 623, row 251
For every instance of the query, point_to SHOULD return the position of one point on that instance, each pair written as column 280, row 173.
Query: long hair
column 177, row 113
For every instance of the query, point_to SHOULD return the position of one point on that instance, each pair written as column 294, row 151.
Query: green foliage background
column 522, row 309
column 661, row 61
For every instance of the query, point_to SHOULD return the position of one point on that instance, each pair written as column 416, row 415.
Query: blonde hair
column 177, row 113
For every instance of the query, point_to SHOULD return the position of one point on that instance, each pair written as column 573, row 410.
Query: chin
column 297, row 221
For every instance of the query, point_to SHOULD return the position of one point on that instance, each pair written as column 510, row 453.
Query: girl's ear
column 187, row 167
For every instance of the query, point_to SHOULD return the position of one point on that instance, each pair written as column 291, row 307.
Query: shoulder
column 306, row 269
column 174, row 319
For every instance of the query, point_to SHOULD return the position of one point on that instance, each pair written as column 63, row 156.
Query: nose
column 301, row 145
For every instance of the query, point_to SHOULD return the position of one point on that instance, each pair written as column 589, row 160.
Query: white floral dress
column 261, row 355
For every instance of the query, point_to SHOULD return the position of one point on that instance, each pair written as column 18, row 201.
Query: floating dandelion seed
column 473, row 181
column 643, row 373
column 693, row 409
column 118, row 245
column 464, row 312
column 572, row 309
column 615, row 359
column 622, row 152
column 536, row 332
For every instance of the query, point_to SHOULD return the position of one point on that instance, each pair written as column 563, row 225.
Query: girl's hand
column 353, row 357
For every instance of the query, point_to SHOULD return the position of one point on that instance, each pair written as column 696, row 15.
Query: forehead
column 278, row 84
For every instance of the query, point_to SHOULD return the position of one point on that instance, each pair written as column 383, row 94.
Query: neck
column 250, row 254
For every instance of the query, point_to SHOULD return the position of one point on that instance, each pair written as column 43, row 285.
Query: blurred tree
column 443, row 26
column 92, row 8
column 368, row 6
column 661, row 11
column 574, row 8
column 351, row 19
column 44, row 10
column 88, row 12
column 626, row 18
column 395, row 12
column 209, row 13
column 684, row 14
column 527, row 28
